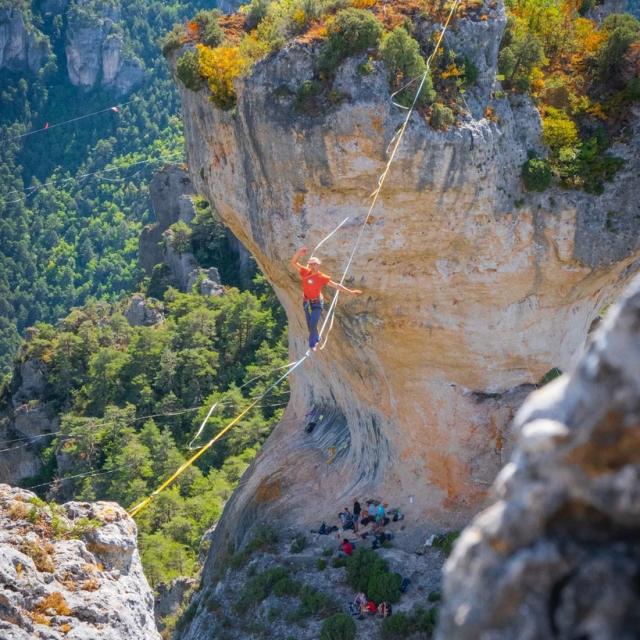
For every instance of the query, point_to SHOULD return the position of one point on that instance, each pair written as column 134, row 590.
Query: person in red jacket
column 313, row 281
column 346, row 547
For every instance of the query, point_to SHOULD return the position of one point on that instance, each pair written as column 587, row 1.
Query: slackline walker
column 328, row 321
column 47, row 127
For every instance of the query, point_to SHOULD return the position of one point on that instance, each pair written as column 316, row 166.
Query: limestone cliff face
column 22, row 46
column 95, row 48
column 473, row 289
column 171, row 199
column 557, row 554
column 26, row 419
column 70, row 572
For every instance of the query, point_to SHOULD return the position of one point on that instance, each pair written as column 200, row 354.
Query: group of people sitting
column 362, row 606
column 375, row 514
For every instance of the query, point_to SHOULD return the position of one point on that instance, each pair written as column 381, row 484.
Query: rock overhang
column 471, row 285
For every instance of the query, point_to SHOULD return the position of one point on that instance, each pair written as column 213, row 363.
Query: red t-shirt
column 347, row 547
column 312, row 283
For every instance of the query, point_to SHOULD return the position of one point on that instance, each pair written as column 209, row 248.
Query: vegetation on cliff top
column 394, row 33
column 584, row 78
column 582, row 75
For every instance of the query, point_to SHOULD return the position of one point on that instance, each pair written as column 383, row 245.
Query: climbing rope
column 397, row 139
column 328, row 321
column 185, row 465
column 219, row 403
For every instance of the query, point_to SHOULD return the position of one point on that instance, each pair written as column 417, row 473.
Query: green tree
column 352, row 31
column 518, row 59
column 623, row 30
column 558, row 131
column 401, row 53
column 536, row 174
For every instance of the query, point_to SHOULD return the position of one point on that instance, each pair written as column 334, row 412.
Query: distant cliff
column 474, row 289
column 92, row 39
column 97, row 53
column 22, row 45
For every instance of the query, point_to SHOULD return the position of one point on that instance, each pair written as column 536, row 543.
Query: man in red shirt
column 313, row 281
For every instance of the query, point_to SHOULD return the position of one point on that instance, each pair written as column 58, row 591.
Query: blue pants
column 312, row 312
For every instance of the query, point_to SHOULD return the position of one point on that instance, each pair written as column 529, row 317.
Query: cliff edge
column 70, row 571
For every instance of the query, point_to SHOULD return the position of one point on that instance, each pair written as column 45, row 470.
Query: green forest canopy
column 76, row 240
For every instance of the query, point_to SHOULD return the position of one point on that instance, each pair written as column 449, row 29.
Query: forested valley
column 75, row 199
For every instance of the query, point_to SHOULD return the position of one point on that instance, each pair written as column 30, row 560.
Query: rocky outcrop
column 208, row 282
column 558, row 553
column 96, row 48
column 171, row 194
column 143, row 312
column 26, row 422
column 473, row 289
column 70, row 572
column 171, row 597
column 22, row 46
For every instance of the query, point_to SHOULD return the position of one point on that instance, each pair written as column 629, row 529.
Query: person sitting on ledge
column 346, row 548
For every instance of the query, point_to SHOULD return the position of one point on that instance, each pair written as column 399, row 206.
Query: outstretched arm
column 302, row 251
column 341, row 287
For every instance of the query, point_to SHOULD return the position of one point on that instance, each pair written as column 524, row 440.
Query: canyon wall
column 473, row 288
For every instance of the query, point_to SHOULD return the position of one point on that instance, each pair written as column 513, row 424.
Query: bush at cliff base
column 384, row 587
column 397, row 627
column 338, row 627
column 368, row 572
column 363, row 564
column 536, row 174
column 402, row 625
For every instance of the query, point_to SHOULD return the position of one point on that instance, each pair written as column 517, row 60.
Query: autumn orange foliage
column 220, row 66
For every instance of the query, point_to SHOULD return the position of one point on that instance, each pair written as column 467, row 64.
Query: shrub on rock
column 536, row 174
column 220, row 66
column 351, row 31
column 401, row 53
column 188, row 70
column 442, row 117
column 340, row 626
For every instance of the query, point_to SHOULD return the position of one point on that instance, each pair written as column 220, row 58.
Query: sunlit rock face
column 96, row 49
column 473, row 289
column 70, row 571
column 557, row 554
